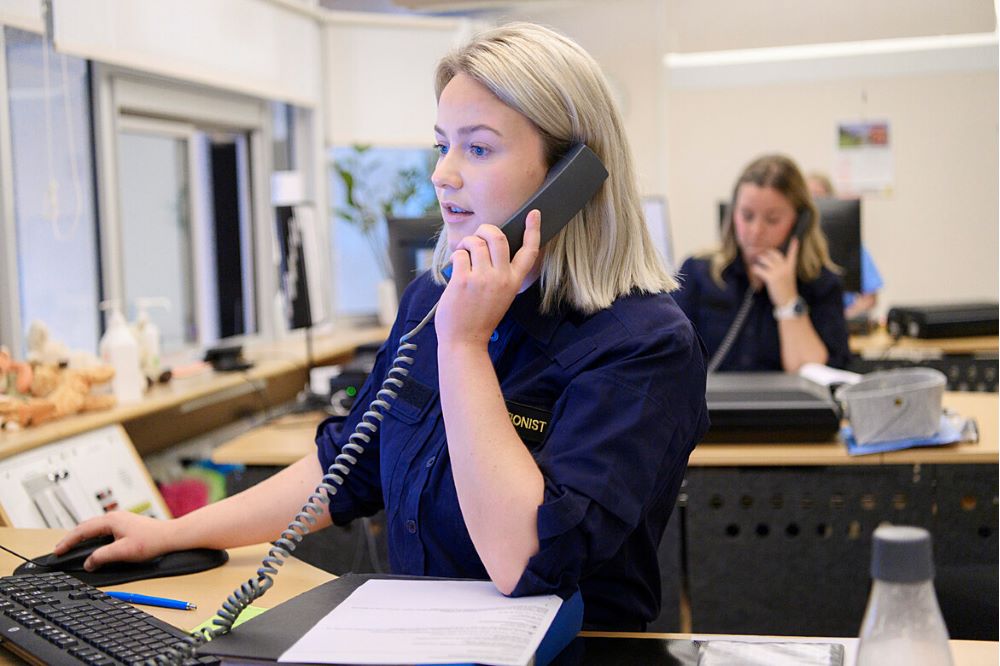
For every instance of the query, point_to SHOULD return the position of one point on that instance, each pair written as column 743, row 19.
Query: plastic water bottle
column 903, row 623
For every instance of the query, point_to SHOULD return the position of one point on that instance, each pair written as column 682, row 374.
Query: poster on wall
column 863, row 158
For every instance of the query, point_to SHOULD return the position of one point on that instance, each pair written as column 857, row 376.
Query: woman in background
column 771, row 243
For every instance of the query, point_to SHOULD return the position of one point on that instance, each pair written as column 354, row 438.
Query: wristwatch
column 793, row 309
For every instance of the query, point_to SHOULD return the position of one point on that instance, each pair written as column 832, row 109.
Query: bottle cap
column 902, row 554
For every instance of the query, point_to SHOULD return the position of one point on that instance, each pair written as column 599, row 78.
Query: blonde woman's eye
column 441, row 148
column 479, row 151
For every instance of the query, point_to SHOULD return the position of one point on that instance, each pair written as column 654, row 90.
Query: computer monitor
column 292, row 273
column 411, row 247
column 840, row 220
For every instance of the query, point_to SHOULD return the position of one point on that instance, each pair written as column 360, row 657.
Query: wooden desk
column 981, row 406
column 284, row 441
column 276, row 444
column 208, row 589
column 185, row 407
column 880, row 342
column 964, row 653
column 777, row 537
column 750, row 490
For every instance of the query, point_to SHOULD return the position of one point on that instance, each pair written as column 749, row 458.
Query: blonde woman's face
column 762, row 220
column 490, row 158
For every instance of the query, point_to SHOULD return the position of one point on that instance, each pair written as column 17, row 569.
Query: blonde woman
column 541, row 435
column 772, row 244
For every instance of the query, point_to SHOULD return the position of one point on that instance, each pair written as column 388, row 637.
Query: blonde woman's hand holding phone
column 777, row 270
column 483, row 284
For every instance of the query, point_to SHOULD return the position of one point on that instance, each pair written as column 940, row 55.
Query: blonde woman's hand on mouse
column 137, row 538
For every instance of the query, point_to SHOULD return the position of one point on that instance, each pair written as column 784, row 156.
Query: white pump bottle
column 120, row 350
column 147, row 334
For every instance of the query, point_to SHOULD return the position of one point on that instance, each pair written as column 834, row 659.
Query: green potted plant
column 370, row 197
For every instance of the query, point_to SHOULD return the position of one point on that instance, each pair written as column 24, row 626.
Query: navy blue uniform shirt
column 610, row 406
column 712, row 309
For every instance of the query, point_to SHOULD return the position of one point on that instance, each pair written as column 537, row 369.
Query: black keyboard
column 53, row 618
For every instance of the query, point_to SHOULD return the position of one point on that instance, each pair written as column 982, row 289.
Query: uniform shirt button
column 430, row 462
column 411, row 526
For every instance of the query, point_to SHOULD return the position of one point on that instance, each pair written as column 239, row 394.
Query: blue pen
column 151, row 601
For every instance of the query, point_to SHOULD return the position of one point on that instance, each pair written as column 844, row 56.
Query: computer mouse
column 73, row 559
column 114, row 573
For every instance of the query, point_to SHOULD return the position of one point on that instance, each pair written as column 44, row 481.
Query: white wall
column 934, row 239
column 711, row 25
column 627, row 38
column 258, row 47
column 379, row 73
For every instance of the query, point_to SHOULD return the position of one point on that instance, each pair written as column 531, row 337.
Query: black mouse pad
column 115, row 573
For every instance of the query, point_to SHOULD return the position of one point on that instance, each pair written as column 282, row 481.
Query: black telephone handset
column 799, row 230
column 569, row 185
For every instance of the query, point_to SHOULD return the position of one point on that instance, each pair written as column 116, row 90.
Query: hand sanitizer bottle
column 120, row 350
column 903, row 623
column 147, row 334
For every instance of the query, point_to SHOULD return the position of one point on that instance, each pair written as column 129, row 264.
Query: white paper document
column 428, row 622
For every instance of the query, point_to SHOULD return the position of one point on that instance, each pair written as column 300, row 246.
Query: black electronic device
column 954, row 320
column 569, row 185
column 802, row 222
column 411, row 246
column 73, row 559
column 115, row 573
column 840, row 220
column 227, row 358
column 293, row 269
column 54, row 618
column 769, row 407
column 344, row 388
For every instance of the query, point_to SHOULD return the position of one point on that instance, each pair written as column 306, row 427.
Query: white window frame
column 10, row 283
column 119, row 96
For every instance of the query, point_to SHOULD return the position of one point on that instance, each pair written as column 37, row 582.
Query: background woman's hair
column 605, row 251
column 780, row 173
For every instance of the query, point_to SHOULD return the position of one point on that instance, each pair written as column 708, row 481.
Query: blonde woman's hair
column 605, row 251
column 780, row 173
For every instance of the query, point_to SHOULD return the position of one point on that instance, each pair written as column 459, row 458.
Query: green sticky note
column 248, row 614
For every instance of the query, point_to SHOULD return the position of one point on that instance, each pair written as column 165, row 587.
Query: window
column 380, row 176
column 181, row 177
column 187, row 208
column 185, row 229
column 55, row 220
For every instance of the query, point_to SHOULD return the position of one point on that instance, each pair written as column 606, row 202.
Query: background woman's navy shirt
column 712, row 309
column 610, row 406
